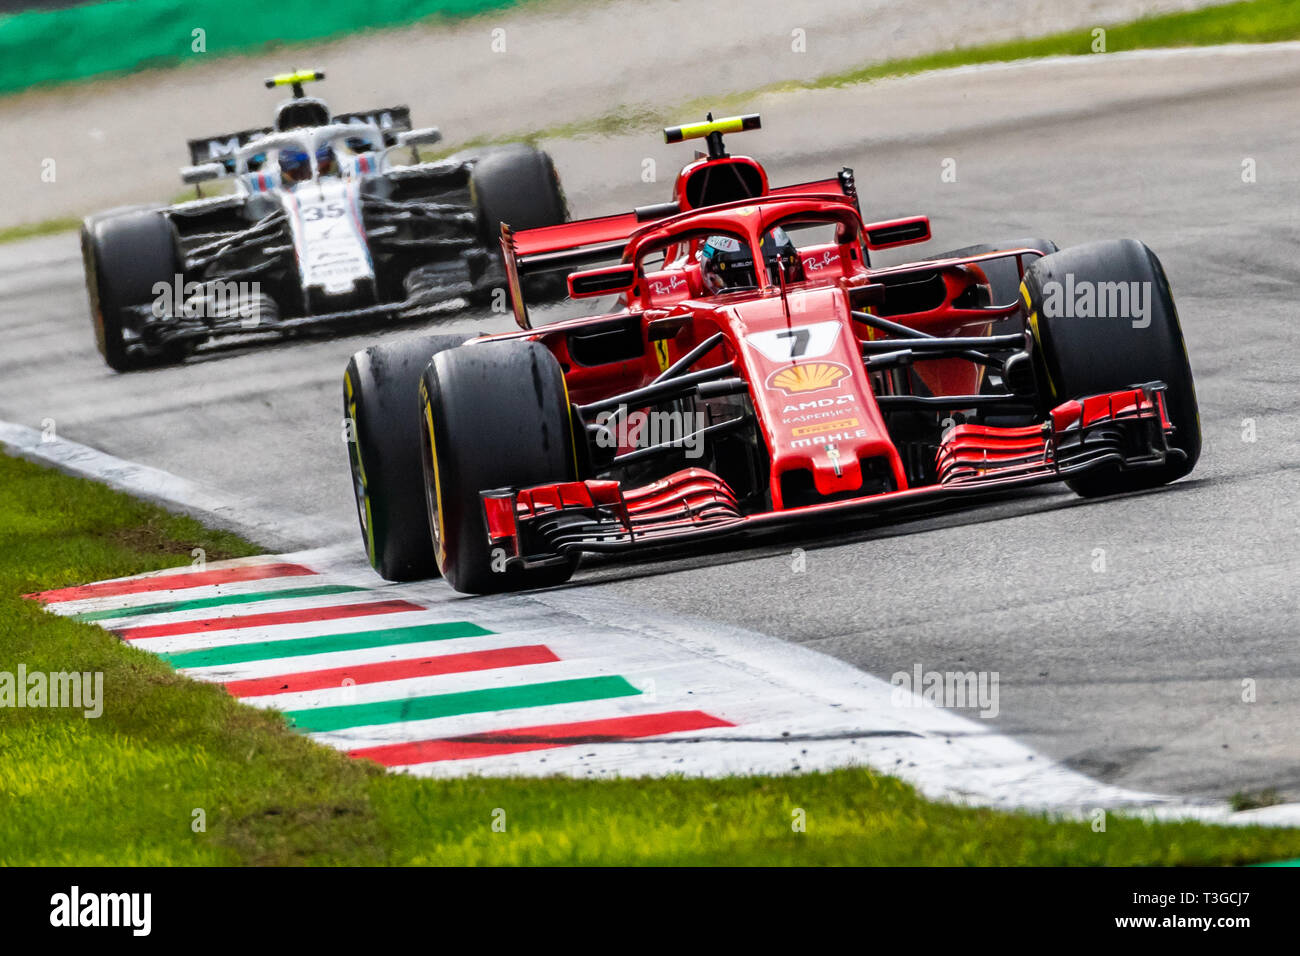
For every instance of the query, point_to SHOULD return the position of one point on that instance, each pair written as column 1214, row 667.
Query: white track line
column 274, row 531
column 1154, row 53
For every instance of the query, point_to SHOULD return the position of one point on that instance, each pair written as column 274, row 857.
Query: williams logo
column 808, row 377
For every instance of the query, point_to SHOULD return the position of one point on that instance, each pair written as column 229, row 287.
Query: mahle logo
column 1084, row 299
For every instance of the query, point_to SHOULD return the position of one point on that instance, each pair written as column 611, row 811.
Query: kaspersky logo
column 808, row 377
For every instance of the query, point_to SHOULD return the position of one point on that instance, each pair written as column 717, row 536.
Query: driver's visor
column 294, row 159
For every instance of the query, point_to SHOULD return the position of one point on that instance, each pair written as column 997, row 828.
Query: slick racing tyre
column 518, row 185
column 380, row 404
column 1091, row 355
column 126, row 253
column 493, row 415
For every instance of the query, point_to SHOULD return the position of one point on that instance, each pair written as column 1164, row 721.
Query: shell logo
column 807, row 377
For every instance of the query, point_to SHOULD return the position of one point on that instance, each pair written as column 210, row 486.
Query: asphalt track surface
column 528, row 67
column 1133, row 674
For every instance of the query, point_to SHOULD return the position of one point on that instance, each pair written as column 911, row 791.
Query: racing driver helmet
column 295, row 168
column 781, row 256
column 726, row 263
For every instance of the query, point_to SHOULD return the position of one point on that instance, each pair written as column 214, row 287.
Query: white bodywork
column 324, row 212
column 329, row 240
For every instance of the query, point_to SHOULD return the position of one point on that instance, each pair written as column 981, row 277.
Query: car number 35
column 324, row 210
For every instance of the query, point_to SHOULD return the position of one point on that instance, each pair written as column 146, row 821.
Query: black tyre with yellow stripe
column 1087, row 354
column 382, row 412
column 494, row 415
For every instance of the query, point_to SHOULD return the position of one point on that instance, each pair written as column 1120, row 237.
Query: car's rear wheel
column 382, row 411
column 494, row 415
column 517, row 184
column 126, row 255
column 1087, row 354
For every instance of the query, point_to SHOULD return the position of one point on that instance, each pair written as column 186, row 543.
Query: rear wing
column 391, row 120
column 584, row 242
column 222, row 149
column 587, row 242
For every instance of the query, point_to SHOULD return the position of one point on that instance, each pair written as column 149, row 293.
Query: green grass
column 30, row 230
column 43, row 48
column 1253, row 801
column 124, row 788
column 1257, row 21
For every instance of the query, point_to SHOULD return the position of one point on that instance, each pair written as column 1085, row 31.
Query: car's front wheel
column 126, row 256
column 1103, row 319
column 382, row 416
column 492, row 415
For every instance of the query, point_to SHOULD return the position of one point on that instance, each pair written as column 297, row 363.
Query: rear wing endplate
column 514, row 285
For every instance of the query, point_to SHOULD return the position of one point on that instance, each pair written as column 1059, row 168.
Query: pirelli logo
column 821, row 427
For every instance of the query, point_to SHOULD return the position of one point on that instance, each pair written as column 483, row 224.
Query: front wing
column 535, row 526
column 457, row 280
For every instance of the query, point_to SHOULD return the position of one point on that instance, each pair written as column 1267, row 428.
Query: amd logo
column 818, row 403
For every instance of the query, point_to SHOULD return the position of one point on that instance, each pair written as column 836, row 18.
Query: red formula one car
column 758, row 372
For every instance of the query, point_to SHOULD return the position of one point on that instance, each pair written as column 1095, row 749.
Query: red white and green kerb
column 378, row 675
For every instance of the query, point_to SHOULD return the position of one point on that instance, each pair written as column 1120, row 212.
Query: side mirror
column 898, row 232
column 607, row 281
column 419, row 137
column 193, row 175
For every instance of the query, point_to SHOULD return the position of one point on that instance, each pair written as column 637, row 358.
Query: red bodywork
column 819, row 408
